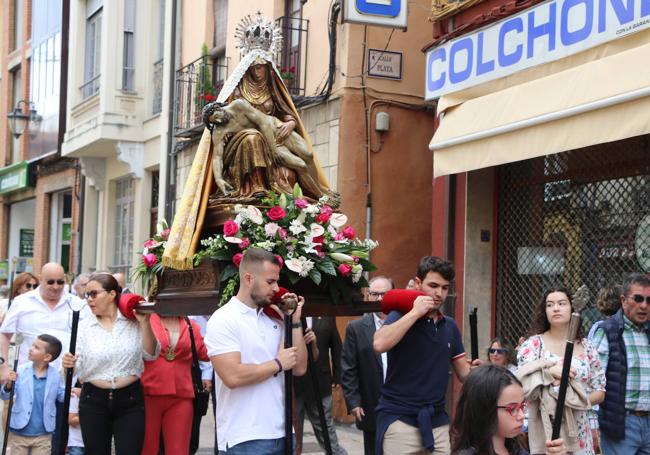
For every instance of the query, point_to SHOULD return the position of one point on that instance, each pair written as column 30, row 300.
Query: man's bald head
column 52, row 282
column 120, row 278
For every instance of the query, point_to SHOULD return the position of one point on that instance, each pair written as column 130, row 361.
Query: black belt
column 637, row 413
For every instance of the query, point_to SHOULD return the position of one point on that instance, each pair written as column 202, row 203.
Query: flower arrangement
column 310, row 240
column 150, row 266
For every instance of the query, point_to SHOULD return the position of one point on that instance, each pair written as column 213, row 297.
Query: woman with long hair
column 111, row 350
column 23, row 282
column 546, row 345
column 490, row 415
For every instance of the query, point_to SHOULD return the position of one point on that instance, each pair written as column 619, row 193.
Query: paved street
column 350, row 438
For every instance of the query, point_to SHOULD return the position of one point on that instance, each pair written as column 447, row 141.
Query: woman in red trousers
column 168, row 390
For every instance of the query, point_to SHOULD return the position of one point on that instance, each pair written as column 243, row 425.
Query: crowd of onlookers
column 134, row 388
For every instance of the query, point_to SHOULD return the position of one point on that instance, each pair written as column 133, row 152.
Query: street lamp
column 19, row 120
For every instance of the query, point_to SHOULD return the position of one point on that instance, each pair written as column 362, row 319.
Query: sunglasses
column 59, row 282
column 514, row 408
column 30, row 285
column 638, row 298
column 497, row 351
column 376, row 294
column 93, row 294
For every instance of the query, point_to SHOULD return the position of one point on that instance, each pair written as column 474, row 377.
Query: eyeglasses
column 376, row 295
column 638, row 298
column 93, row 294
column 59, row 282
column 514, row 408
column 30, row 285
column 497, row 351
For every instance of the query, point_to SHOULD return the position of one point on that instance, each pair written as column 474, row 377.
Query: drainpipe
column 170, row 168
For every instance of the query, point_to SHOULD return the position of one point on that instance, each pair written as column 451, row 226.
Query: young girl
column 490, row 415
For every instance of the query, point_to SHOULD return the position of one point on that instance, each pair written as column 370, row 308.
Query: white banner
column 543, row 33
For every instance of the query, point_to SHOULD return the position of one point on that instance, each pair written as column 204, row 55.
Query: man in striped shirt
column 623, row 343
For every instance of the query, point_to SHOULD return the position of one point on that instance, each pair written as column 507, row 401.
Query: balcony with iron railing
column 293, row 56
column 195, row 88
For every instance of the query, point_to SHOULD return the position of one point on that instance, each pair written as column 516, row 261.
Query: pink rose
column 339, row 236
column 322, row 218
column 245, row 243
column 149, row 259
column 165, row 234
column 150, row 243
column 236, row 259
column 344, row 269
column 280, row 260
column 349, row 233
column 327, row 210
column 301, row 203
column 230, row 228
column 282, row 233
column 276, row 213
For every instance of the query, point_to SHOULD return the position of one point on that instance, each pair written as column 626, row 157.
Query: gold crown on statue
column 255, row 32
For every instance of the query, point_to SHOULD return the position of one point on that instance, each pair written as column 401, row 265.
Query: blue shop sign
column 544, row 33
column 389, row 13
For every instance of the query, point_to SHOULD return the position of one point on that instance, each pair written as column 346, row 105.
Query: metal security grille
column 578, row 217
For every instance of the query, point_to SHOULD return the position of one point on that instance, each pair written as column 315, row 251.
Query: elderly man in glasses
column 623, row 342
column 45, row 309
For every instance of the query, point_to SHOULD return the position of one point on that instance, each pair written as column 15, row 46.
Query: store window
column 124, row 224
column 61, row 228
column 581, row 217
column 18, row 23
column 153, row 211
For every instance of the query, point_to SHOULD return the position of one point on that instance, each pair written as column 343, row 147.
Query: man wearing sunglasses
column 623, row 342
column 45, row 309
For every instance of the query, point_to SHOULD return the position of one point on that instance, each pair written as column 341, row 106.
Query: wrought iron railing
column 194, row 89
column 293, row 57
column 157, row 87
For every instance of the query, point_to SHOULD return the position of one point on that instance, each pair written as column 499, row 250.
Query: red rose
column 236, row 259
column 319, row 243
column 230, row 228
column 344, row 269
column 245, row 243
column 349, row 233
column 276, row 213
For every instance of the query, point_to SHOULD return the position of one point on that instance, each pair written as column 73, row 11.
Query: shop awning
column 597, row 101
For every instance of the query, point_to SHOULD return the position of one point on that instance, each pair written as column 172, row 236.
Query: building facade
column 39, row 189
column 540, row 153
column 116, row 124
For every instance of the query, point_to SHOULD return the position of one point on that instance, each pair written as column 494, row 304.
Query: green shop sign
column 14, row 177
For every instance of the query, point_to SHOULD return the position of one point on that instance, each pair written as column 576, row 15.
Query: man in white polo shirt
column 246, row 350
column 44, row 310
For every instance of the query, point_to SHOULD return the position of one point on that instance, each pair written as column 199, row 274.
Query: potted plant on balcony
column 205, row 92
column 288, row 75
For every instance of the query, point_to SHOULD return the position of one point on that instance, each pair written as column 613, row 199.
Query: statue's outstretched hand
column 284, row 130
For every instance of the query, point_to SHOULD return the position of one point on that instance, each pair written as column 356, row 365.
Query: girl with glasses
column 490, row 415
column 541, row 356
column 501, row 353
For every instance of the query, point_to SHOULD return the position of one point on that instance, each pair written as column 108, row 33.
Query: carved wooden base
column 196, row 292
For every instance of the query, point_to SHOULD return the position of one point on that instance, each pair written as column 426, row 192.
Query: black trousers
column 105, row 414
column 369, row 442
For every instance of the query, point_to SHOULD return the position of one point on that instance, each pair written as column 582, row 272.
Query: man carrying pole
column 248, row 355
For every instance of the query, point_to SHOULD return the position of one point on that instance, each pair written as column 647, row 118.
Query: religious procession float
column 255, row 182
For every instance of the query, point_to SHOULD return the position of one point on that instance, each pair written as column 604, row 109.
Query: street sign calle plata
column 384, row 64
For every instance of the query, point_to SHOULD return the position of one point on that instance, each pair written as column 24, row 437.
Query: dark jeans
column 107, row 413
column 58, row 429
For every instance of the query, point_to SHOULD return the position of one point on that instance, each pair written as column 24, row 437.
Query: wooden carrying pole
column 288, row 392
column 566, row 368
column 473, row 332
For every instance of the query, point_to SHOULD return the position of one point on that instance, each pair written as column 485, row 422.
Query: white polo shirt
column 255, row 411
column 30, row 316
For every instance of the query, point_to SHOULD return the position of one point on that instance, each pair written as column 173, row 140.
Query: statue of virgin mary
column 249, row 166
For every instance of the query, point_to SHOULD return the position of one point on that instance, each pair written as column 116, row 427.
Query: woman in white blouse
column 111, row 350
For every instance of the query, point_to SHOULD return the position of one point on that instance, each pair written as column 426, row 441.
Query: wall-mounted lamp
column 24, row 116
